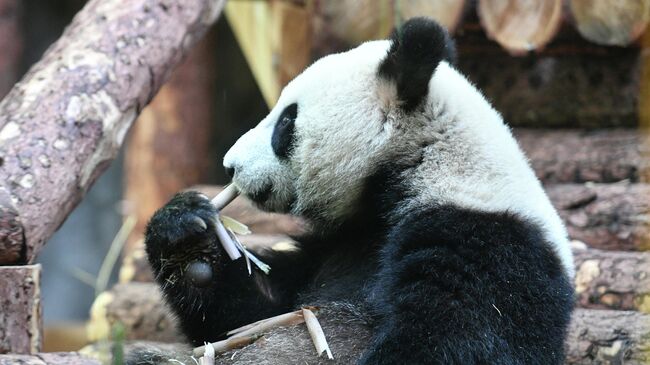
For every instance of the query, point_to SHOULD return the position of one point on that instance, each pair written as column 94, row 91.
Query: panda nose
column 230, row 171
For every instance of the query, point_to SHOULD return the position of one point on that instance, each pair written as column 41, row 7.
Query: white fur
column 349, row 121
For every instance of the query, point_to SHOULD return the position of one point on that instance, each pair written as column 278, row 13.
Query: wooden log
column 344, row 24
column 63, row 123
column 612, row 279
column 11, row 43
column 340, row 25
column 520, row 26
column 49, row 358
column 602, row 337
column 139, row 307
column 605, row 216
column 169, row 147
column 446, row 12
column 572, row 83
column 21, row 323
column 608, row 337
column 604, row 155
column 612, row 23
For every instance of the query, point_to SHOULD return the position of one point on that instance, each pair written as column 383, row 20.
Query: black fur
column 438, row 285
column 416, row 50
column 283, row 138
column 443, row 286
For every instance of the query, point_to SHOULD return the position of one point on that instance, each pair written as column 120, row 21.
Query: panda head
column 336, row 122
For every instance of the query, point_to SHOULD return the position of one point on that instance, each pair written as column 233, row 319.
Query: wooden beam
column 275, row 39
column 64, row 122
column 21, row 323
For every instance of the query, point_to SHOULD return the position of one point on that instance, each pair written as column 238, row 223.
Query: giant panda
column 427, row 225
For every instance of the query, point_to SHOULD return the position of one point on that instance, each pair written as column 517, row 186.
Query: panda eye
column 283, row 133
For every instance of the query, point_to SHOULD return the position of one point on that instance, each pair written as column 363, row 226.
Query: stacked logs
column 597, row 190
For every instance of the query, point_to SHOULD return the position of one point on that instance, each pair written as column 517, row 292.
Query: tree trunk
column 168, row 148
column 605, row 216
column 20, row 317
column 63, row 123
column 11, row 43
column 613, row 279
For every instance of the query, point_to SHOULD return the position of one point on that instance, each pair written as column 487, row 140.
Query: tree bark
column 607, row 337
column 567, row 156
column 21, row 322
column 63, row 123
column 613, row 279
column 11, row 43
column 49, row 358
column 168, row 148
column 605, row 216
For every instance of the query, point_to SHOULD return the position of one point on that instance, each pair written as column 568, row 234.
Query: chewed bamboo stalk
column 228, row 244
column 227, row 195
column 283, row 320
column 208, row 355
column 226, row 228
column 247, row 334
column 316, row 333
column 226, row 345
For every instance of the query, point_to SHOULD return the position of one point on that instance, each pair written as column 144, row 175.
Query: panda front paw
column 181, row 239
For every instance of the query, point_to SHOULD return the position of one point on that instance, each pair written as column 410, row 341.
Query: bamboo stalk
column 227, row 195
column 316, row 333
column 208, row 356
column 283, row 320
column 226, row 241
column 247, row 334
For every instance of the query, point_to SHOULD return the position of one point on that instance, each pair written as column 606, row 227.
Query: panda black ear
column 416, row 50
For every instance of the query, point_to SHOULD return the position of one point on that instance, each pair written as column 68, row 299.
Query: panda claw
column 197, row 224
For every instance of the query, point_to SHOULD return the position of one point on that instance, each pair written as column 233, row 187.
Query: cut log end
column 521, row 26
column 611, row 23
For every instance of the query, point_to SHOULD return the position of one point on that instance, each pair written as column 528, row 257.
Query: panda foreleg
column 209, row 293
column 464, row 287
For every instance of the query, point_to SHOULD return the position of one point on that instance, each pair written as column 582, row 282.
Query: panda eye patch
column 283, row 133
